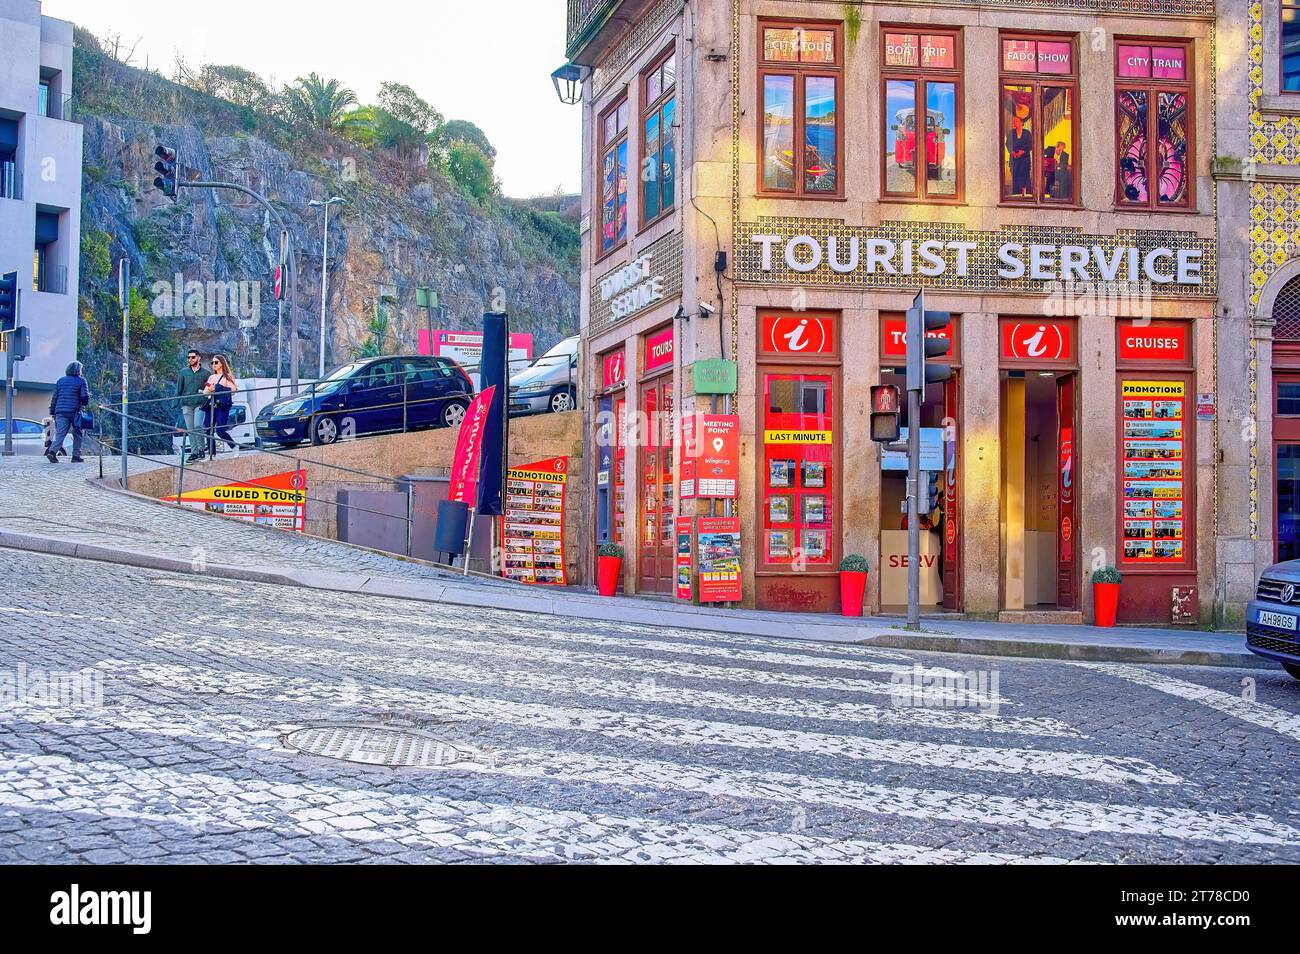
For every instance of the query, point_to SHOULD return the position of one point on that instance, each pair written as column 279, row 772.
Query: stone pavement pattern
column 55, row 500
column 597, row 741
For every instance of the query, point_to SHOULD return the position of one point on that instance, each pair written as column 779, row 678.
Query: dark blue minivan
column 374, row 396
column 1273, row 616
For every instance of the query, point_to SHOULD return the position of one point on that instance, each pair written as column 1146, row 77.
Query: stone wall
column 376, row 463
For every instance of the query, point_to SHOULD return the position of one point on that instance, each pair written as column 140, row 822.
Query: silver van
column 548, row 384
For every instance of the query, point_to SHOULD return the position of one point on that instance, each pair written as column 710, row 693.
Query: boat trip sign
column 947, row 255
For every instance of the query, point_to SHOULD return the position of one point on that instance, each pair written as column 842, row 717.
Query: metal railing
column 11, row 180
column 582, row 15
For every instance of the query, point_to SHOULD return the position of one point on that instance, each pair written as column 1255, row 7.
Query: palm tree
column 319, row 102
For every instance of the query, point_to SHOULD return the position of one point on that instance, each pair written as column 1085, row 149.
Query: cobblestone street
column 540, row 739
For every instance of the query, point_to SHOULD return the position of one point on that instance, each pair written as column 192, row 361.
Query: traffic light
column 933, row 491
column 884, row 413
column 921, row 345
column 166, row 169
column 8, row 302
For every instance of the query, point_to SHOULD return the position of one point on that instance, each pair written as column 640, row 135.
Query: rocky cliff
column 403, row 227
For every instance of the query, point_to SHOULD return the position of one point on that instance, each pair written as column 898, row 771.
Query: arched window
column 1286, row 312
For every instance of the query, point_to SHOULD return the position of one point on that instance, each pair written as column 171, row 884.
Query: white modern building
column 40, row 192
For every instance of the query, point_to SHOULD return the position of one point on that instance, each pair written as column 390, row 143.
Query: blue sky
column 487, row 61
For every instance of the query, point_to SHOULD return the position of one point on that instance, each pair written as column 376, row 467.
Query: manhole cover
column 381, row 745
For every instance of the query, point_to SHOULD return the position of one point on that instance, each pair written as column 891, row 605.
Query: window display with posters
column 533, row 524
column 1154, row 496
column 797, row 449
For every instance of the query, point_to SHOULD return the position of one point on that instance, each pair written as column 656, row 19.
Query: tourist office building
column 768, row 185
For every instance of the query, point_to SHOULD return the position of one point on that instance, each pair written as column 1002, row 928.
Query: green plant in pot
column 853, row 583
column 1106, row 582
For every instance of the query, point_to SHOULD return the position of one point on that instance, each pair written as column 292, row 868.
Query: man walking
column 189, row 388
column 70, row 395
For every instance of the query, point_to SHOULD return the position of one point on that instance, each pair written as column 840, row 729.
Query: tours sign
column 279, row 500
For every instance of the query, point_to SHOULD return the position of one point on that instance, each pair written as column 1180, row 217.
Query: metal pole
column 9, row 394
column 913, row 509
column 469, row 544
column 124, row 300
column 279, row 347
column 324, row 287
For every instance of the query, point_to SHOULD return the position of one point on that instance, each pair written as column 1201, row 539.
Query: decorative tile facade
column 631, row 46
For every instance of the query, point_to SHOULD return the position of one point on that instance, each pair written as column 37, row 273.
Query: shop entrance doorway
column 655, row 568
column 940, row 504
column 1039, row 499
column 1286, row 463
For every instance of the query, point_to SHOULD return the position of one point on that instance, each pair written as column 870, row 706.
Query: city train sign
column 942, row 255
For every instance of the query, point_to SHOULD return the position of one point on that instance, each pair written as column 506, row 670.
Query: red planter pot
column 1105, row 601
column 853, row 587
column 608, row 571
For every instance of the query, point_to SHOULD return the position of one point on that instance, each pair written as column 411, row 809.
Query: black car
column 1273, row 616
column 374, row 396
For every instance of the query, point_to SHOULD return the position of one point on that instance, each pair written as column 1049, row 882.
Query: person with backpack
column 220, row 390
column 71, row 395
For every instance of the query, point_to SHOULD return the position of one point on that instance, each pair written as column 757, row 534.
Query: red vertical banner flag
column 469, row 445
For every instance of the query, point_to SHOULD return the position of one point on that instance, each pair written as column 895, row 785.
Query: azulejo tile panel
column 666, row 261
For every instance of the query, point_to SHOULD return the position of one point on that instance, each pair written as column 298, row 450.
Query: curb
column 441, row 591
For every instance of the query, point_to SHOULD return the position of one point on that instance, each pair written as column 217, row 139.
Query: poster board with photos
column 533, row 525
column 798, row 461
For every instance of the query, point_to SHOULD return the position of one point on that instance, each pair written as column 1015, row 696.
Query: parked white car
column 29, row 436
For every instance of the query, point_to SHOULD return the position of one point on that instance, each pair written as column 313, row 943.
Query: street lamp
column 568, row 83
column 324, row 272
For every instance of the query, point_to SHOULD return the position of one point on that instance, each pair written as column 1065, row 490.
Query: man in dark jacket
column 70, row 395
column 189, row 388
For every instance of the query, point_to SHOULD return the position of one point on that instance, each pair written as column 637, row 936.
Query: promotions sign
column 469, row 445
column 710, row 455
column 718, row 548
column 533, row 524
column 684, row 558
column 279, row 500
column 1154, row 499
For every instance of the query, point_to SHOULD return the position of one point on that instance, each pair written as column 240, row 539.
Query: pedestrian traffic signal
column 922, row 345
column 8, row 302
column 933, row 492
column 884, row 413
column 166, row 169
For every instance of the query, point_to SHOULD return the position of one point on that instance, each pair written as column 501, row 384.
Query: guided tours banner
column 279, row 500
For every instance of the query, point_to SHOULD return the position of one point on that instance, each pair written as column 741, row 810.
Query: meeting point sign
column 1030, row 258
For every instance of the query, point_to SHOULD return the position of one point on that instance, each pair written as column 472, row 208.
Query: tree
column 318, row 102
column 361, row 126
column 405, row 105
column 460, row 130
column 471, row 170
column 232, row 83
